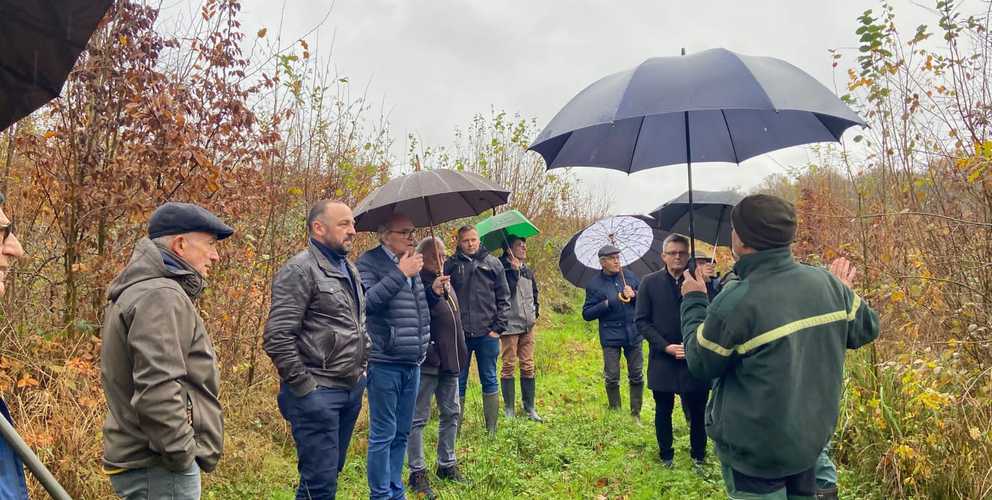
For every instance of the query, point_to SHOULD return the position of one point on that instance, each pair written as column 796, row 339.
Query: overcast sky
column 436, row 63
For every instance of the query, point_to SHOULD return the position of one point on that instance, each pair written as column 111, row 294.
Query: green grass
column 580, row 451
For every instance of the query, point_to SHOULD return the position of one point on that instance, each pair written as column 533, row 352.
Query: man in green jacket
column 774, row 341
column 157, row 363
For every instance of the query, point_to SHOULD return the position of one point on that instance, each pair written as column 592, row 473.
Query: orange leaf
column 27, row 381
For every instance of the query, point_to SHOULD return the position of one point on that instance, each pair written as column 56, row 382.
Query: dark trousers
column 322, row 423
column 694, row 408
column 800, row 486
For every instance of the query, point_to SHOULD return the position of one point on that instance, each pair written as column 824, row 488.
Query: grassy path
column 580, row 451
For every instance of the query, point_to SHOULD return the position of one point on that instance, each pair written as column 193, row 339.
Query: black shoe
column 420, row 486
column 699, row 466
column 827, row 494
column 451, row 474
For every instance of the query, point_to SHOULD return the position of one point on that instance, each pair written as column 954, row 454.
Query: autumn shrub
column 910, row 200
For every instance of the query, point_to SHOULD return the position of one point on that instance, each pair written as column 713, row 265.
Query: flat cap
column 178, row 218
column 608, row 250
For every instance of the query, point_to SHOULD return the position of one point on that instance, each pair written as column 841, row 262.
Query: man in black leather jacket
column 316, row 338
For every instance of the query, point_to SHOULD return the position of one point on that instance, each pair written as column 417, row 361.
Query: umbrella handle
column 623, row 298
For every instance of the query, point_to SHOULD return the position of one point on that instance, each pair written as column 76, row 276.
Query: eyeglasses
column 6, row 231
column 406, row 233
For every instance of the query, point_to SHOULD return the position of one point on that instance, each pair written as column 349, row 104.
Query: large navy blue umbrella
column 712, row 106
column 711, row 211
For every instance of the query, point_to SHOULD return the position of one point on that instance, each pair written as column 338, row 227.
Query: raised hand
column 411, row 263
column 844, row 270
column 693, row 282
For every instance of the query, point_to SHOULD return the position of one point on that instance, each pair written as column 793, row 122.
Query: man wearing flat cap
column 610, row 298
column 157, row 365
column 775, row 341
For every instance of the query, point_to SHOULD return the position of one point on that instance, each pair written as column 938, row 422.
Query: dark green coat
column 775, row 342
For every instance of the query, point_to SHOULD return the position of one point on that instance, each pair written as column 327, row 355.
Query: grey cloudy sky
column 436, row 63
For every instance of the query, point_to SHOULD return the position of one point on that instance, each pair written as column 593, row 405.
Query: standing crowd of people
column 397, row 327
column 755, row 360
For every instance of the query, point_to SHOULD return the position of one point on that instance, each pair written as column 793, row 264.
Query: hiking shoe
column 420, row 485
column 451, row 474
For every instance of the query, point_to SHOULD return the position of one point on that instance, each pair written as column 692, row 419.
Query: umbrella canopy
column 429, row 197
column 39, row 44
column 639, row 243
column 713, row 106
column 725, row 107
column 496, row 230
column 711, row 211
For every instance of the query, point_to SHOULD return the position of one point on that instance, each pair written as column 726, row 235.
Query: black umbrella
column 637, row 237
column 429, row 197
column 712, row 106
column 711, row 214
column 39, row 44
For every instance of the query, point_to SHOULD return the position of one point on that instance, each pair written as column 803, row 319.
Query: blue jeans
column 392, row 397
column 12, row 483
column 157, row 483
column 322, row 423
column 486, row 351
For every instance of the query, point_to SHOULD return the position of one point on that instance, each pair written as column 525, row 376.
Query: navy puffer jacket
column 616, row 319
column 397, row 316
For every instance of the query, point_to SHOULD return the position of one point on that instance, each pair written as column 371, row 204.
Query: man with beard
column 316, row 338
column 157, row 363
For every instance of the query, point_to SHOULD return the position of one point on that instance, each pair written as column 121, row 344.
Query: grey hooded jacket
column 158, row 368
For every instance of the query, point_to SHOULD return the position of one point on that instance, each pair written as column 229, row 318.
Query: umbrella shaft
column 692, row 226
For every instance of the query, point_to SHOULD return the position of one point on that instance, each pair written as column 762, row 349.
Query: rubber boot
column 636, row 396
column 527, row 391
column 613, row 396
column 461, row 415
column 507, row 384
column 490, row 410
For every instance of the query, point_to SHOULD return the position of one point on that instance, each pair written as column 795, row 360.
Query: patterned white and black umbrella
column 636, row 236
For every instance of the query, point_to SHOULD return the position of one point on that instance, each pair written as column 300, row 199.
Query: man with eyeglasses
column 12, row 483
column 659, row 321
column 399, row 321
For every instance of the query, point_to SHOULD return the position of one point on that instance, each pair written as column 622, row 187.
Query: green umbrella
column 495, row 230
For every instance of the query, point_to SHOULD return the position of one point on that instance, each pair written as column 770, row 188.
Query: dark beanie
column 763, row 221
